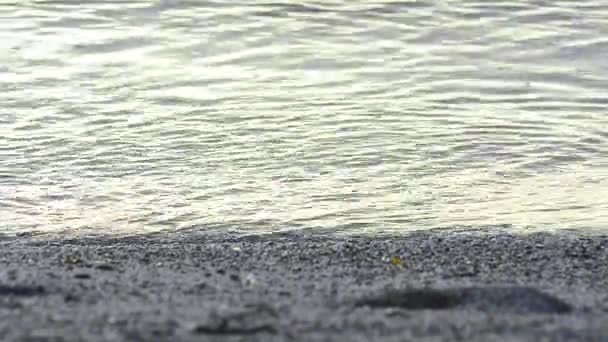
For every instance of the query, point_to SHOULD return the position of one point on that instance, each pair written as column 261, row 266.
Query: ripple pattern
column 365, row 116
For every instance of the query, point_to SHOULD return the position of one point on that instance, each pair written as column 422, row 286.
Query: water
column 364, row 116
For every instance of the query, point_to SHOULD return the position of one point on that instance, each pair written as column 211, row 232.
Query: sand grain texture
column 191, row 286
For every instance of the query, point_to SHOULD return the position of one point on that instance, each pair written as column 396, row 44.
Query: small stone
column 72, row 260
column 21, row 290
column 71, row 298
column 104, row 267
column 250, row 279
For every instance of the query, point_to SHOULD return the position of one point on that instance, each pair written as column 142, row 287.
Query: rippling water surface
column 362, row 116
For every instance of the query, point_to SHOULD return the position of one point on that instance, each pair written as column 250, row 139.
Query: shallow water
column 365, row 116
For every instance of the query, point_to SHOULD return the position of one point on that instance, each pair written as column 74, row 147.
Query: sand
column 193, row 286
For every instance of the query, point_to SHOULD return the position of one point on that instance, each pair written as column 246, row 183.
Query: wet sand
column 431, row 286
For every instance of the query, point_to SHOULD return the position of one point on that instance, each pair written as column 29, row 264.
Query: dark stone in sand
column 413, row 299
column 21, row 290
column 224, row 328
column 82, row 276
column 104, row 267
column 492, row 299
column 70, row 298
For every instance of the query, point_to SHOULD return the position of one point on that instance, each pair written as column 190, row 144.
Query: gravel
column 194, row 286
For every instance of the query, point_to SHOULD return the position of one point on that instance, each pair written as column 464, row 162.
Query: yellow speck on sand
column 396, row 261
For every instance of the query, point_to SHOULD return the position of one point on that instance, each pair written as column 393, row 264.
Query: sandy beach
column 187, row 286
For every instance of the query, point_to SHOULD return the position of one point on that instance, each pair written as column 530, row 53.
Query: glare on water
column 365, row 116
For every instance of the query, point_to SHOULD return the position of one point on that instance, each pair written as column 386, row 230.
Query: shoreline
column 187, row 286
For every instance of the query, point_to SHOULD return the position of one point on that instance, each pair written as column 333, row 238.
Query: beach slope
column 188, row 286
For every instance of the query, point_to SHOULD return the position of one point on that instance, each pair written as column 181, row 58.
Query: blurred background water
column 347, row 116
